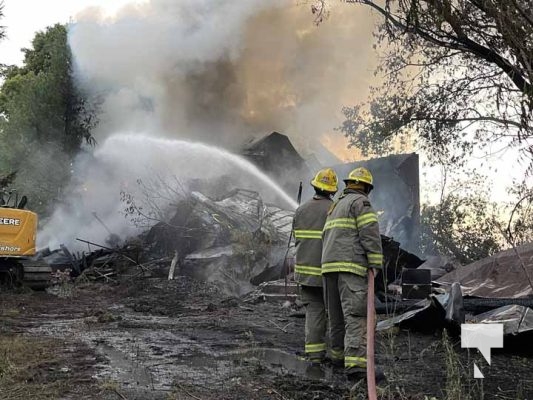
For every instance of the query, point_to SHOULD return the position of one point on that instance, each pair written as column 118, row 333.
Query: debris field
column 202, row 306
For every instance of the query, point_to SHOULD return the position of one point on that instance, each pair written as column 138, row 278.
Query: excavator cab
column 18, row 229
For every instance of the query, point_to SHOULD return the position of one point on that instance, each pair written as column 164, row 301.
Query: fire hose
column 370, row 338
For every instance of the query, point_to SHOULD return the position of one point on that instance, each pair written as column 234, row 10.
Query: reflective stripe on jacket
column 351, row 236
column 308, row 222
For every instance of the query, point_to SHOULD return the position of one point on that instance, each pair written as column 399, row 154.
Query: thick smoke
column 221, row 71
column 214, row 71
column 157, row 173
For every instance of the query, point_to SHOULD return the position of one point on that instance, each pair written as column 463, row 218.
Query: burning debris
column 100, row 263
column 235, row 241
column 192, row 292
column 275, row 155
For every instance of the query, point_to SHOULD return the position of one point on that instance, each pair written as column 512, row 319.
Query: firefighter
column 351, row 245
column 308, row 222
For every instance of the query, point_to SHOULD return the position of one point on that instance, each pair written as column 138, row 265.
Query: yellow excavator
column 18, row 229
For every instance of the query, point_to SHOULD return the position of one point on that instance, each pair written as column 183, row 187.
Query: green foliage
column 467, row 226
column 464, row 224
column 2, row 28
column 39, row 101
column 460, row 227
column 518, row 228
column 459, row 385
column 456, row 79
column 44, row 119
column 455, row 76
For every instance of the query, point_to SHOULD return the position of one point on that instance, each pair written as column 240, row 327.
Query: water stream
column 208, row 161
column 122, row 162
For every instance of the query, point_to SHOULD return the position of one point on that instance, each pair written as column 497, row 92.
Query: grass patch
column 10, row 313
column 460, row 384
column 25, row 369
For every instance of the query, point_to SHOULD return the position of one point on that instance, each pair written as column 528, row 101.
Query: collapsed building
column 232, row 237
column 494, row 290
column 507, row 274
column 237, row 239
column 396, row 195
column 275, row 155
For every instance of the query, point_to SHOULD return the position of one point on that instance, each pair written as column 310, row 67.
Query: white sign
column 483, row 337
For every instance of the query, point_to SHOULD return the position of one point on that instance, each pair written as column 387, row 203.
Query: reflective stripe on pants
column 315, row 347
column 315, row 321
column 359, row 362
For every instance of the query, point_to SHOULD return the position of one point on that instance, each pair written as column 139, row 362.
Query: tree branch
column 460, row 42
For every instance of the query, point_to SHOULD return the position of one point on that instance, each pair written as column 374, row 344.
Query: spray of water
column 125, row 159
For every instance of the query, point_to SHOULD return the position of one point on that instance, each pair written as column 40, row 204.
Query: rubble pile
column 497, row 289
column 233, row 237
column 236, row 241
column 101, row 263
column 508, row 274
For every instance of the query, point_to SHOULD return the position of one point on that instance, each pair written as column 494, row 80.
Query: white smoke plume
column 130, row 163
column 221, row 71
column 214, row 71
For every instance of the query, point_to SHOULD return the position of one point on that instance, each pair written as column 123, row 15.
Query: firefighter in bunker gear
column 308, row 222
column 351, row 245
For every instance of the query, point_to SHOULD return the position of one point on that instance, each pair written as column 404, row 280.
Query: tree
column 459, row 227
column 2, row 28
column 458, row 75
column 40, row 100
column 43, row 117
column 464, row 224
column 518, row 229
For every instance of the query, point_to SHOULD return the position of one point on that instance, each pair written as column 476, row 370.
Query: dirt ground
column 183, row 339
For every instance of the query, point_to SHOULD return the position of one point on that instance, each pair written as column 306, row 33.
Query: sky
column 22, row 18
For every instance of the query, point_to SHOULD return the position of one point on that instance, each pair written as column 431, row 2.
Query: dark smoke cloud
column 220, row 71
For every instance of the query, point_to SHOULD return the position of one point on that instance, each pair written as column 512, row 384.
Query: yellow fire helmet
column 326, row 180
column 360, row 174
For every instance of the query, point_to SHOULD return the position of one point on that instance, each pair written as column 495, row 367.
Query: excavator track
column 36, row 275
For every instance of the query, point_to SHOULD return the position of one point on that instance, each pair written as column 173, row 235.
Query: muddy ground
column 183, row 339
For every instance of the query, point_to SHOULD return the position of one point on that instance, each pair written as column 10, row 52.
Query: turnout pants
column 315, row 322
column 345, row 295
